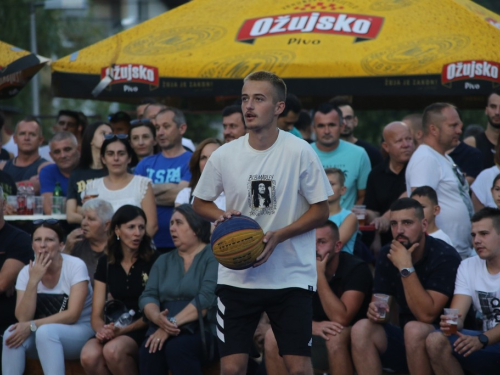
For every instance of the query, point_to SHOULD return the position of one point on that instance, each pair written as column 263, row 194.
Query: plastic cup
column 382, row 303
column 91, row 192
column 452, row 320
column 12, row 201
column 360, row 211
column 38, row 206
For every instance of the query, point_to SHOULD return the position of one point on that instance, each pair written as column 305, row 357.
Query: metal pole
column 35, row 83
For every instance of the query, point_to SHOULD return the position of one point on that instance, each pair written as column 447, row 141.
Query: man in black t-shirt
column 417, row 271
column 344, row 292
column 15, row 253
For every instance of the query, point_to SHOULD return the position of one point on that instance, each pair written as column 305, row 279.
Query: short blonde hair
column 277, row 83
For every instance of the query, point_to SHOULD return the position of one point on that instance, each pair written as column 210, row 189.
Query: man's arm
column 311, row 219
column 425, row 305
column 8, row 274
column 166, row 193
column 47, row 203
column 207, row 209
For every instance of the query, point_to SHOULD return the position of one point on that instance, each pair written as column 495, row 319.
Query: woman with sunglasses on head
column 142, row 135
column 179, row 280
column 50, row 334
column 89, row 168
column 122, row 273
column 196, row 165
column 120, row 187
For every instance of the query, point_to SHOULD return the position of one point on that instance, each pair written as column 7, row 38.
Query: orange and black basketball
column 237, row 242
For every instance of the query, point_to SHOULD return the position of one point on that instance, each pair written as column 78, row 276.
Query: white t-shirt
column 184, row 197
column 439, row 234
column 275, row 187
column 73, row 271
column 132, row 194
column 482, row 186
column 473, row 279
column 428, row 167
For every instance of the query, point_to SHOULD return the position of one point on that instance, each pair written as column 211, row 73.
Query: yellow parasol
column 326, row 47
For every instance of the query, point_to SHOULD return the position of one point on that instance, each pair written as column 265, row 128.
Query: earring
column 117, row 238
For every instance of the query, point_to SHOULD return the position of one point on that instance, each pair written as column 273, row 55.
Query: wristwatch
column 405, row 272
column 33, row 326
column 483, row 339
column 173, row 321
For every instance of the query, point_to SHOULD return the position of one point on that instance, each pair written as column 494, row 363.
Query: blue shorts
column 394, row 357
column 485, row 361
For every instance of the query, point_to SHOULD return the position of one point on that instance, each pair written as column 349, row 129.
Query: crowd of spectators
column 428, row 242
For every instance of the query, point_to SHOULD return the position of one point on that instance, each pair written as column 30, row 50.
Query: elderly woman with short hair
column 89, row 242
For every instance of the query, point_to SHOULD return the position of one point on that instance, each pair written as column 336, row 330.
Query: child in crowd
column 345, row 219
column 495, row 190
column 427, row 197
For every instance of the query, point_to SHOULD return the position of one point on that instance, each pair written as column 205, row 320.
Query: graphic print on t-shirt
column 261, row 194
column 490, row 307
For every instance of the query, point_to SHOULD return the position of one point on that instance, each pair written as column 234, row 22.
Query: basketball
column 237, row 242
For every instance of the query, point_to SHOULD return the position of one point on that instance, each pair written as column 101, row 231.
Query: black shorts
column 239, row 311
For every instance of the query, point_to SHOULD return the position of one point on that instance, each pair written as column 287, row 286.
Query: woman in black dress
column 125, row 271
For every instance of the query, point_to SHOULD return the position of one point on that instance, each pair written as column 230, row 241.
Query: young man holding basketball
column 283, row 278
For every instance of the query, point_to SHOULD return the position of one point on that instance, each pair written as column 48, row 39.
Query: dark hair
column 2, row 120
column 304, row 120
column 200, row 226
column 194, row 162
column 335, row 229
column 119, row 116
column 488, row 213
column 56, row 227
column 107, row 142
column 278, row 84
column 495, row 91
column 407, row 203
column 122, row 216
column 232, row 109
column 426, row 191
column 86, row 159
column 497, row 177
column 292, row 103
column 472, row 130
column 433, row 114
column 326, row 108
column 83, row 121
column 69, row 113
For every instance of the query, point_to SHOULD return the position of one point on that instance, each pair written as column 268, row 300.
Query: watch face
column 483, row 339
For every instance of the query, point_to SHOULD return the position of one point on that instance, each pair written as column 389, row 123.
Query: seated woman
column 89, row 242
column 123, row 272
column 62, row 279
column 181, row 275
column 120, row 187
column 196, row 165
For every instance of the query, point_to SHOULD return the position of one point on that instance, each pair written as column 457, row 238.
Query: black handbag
column 49, row 304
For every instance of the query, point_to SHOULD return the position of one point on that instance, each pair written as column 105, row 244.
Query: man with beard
column 418, row 272
column 430, row 166
column 333, row 152
column 486, row 142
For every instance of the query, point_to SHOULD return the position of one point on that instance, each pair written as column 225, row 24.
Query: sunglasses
column 46, row 221
column 115, row 136
column 140, row 122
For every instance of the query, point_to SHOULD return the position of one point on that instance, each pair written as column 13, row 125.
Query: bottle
column 125, row 319
column 21, row 199
column 30, row 199
column 56, row 199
